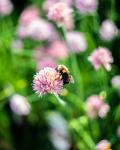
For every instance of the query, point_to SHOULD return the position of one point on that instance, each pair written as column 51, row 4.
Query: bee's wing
column 72, row 79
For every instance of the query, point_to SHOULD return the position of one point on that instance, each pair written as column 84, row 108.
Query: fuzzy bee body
column 65, row 74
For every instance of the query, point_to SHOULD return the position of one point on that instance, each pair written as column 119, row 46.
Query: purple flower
column 48, row 3
column 20, row 105
column 101, row 56
column 76, row 41
column 103, row 110
column 108, row 30
column 58, row 49
column 40, row 29
column 103, row 145
column 116, row 81
column 6, row 7
column 47, row 80
column 86, row 6
column 28, row 15
column 59, row 134
column 37, row 29
column 96, row 107
column 60, row 13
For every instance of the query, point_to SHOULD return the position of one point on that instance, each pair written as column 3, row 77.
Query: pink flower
column 103, row 110
column 101, row 56
column 19, row 105
column 103, row 145
column 108, row 30
column 47, row 80
column 116, row 81
column 58, row 49
column 26, row 21
column 94, row 103
column 86, row 6
column 6, row 7
column 38, row 29
column 96, row 107
column 60, row 12
column 48, row 3
column 76, row 41
column 28, row 15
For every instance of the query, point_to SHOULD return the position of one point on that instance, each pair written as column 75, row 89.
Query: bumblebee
column 65, row 74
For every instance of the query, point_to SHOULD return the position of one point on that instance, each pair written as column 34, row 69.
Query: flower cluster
column 47, row 80
column 108, row 30
column 76, row 41
column 86, row 6
column 20, row 105
column 28, row 15
column 61, row 13
column 116, row 81
column 6, row 7
column 96, row 107
column 101, row 57
column 48, row 3
column 33, row 26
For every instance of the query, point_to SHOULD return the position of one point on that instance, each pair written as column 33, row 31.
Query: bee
column 65, row 74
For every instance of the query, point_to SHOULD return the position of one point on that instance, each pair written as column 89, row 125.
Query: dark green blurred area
column 16, row 75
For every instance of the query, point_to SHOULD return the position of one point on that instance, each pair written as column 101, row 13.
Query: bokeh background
column 30, row 41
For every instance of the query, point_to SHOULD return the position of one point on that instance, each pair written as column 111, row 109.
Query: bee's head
column 62, row 69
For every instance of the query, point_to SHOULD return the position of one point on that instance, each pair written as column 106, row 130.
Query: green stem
column 82, row 134
column 60, row 100
column 75, row 69
column 79, row 104
column 112, row 13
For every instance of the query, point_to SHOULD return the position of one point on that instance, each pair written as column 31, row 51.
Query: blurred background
column 87, row 41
